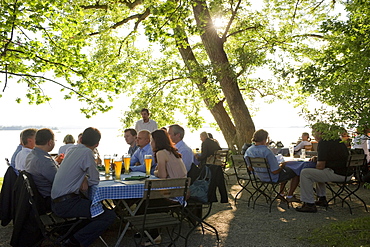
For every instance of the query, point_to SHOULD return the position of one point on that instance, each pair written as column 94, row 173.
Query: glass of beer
column 148, row 163
column 107, row 160
column 118, row 168
column 126, row 161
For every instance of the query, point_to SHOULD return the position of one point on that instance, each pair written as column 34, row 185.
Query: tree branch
column 243, row 30
column 233, row 14
column 47, row 79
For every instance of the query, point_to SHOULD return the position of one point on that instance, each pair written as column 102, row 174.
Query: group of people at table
column 329, row 165
column 63, row 181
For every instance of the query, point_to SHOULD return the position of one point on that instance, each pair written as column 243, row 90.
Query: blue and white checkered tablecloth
column 109, row 189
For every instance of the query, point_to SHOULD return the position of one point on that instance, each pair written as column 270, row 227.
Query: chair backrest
column 257, row 163
column 166, row 188
column 220, row 157
column 238, row 163
column 355, row 160
column 308, row 147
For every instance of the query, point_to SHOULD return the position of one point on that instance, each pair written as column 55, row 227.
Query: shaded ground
column 240, row 225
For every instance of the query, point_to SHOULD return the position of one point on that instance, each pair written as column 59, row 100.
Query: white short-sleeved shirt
column 151, row 125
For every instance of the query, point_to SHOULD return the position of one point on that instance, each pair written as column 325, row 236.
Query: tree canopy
column 168, row 56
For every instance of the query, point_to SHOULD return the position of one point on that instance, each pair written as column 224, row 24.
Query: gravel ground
column 240, row 225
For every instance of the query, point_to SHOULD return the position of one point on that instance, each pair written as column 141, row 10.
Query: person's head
column 45, row 139
column 69, row 139
column 79, row 138
column 145, row 114
column 176, row 133
column 130, row 136
column 28, row 138
column 161, row 140
column 91, row 137
column 210, row 135
column 143, row 138
column 305, row 136
column 203, row 136
column 260, row 137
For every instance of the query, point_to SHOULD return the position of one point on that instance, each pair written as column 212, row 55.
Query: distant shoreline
column 20, row 127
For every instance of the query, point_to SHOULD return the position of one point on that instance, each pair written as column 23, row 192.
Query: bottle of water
column 303, row 153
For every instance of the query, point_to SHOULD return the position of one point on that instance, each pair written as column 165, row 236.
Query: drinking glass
column 107, row 160
column 126, row 161
column 118, row 167
column 148, row 163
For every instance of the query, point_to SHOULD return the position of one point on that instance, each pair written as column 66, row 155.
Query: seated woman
column 169, row 165
column 278, row 171
column 306, row 141
column 168, row 159
column 69, row 142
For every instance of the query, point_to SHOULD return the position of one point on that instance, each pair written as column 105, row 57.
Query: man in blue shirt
column 137, row 163
column 176, row 133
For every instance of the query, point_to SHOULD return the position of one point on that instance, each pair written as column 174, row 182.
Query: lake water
column 112, row 143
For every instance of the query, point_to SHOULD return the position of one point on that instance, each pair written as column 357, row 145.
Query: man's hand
column 313, row 159
column 137, row 164
column 84, row 186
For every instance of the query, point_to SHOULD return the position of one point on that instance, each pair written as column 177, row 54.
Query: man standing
column 145, row 123
column 28, row 141
column 77, row 172
column 177, row 133
column 332, row 157
column 137, row 163
column 41, row 165
column 130, row 137
column 209, row 148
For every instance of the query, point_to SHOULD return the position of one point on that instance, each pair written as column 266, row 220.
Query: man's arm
column 320, row 165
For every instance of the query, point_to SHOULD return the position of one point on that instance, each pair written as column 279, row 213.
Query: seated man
column 331, row 163
column 77, row 172
column 209, row 147
column 130, row 137
column 28, row 141
column 278, row 172
column 137, row 163
column 177, row 133
column 41, row 165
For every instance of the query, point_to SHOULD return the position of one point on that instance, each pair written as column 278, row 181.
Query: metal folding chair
column 242, row 174
column 161, row 189
column 346, row 189
column 263, row 188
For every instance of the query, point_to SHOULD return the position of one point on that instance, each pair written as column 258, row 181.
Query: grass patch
column 354, row 232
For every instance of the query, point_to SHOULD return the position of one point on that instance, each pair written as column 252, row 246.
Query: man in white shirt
column 177, row 133
column 145, row 123
column 29, row 142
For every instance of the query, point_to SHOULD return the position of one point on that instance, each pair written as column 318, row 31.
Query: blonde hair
column 69, row 139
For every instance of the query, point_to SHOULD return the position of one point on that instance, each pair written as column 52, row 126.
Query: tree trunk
column 213, row 44
column 217, row 110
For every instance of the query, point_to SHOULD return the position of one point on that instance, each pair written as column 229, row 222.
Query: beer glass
column 148, row 163
column 118, row 168
column 107, row 160
column 126, row 161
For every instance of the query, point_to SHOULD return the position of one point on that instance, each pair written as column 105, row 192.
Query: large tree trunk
column 214, row 47
column 217, row 110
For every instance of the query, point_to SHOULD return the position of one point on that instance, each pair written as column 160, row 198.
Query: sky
column 66, row 113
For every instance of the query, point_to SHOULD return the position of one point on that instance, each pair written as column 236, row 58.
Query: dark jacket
column 25, row 230
column 209, row 148
column 6, row 196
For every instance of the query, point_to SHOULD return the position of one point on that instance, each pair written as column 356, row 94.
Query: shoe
column 307, row 208
column 292, row 199
column 322, row 203
column 157, row 240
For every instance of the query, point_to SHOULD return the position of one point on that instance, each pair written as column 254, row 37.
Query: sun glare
column 219, row 23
